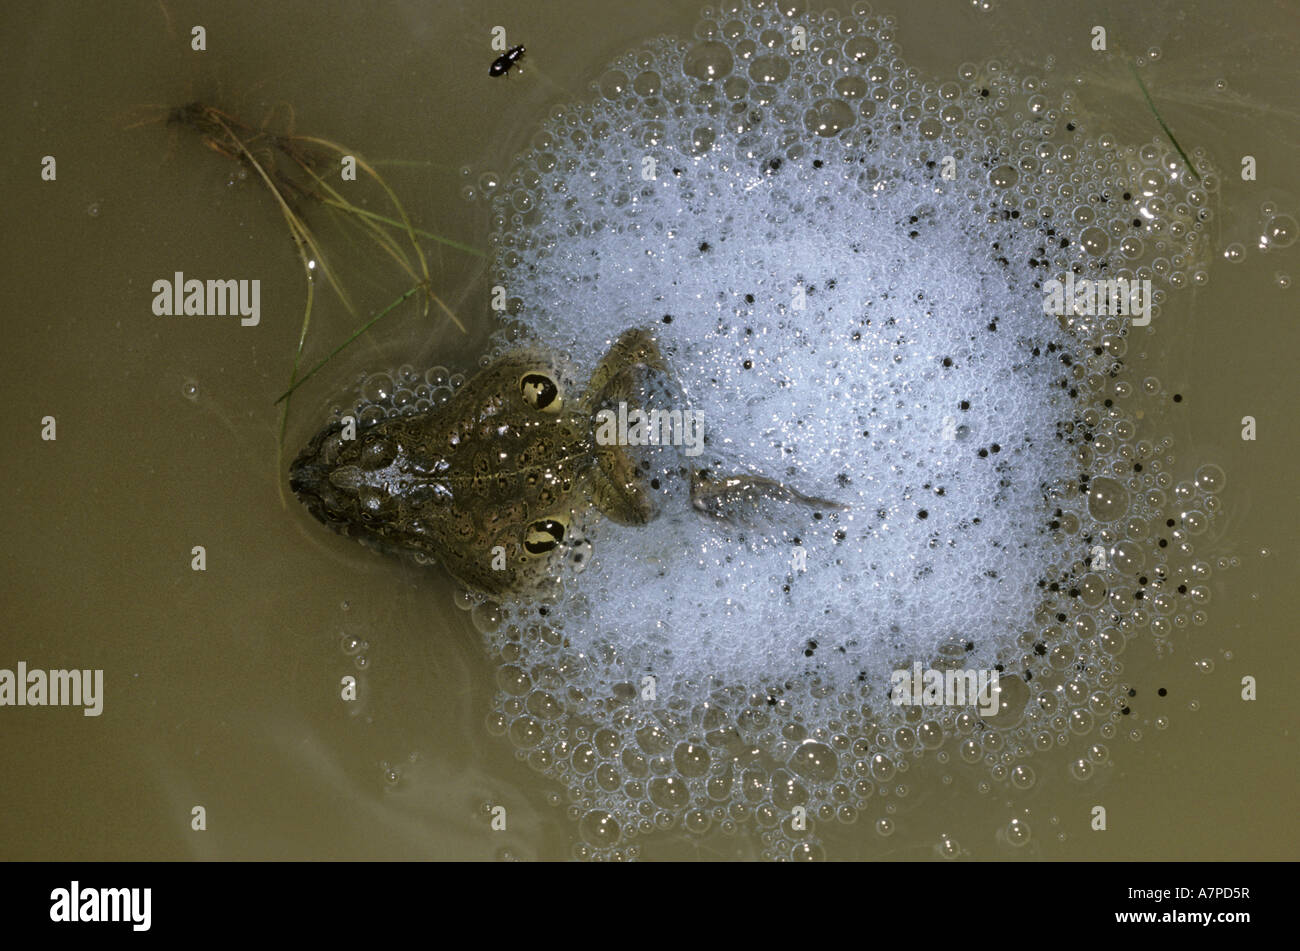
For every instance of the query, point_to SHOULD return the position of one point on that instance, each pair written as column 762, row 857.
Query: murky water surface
column 222, row 687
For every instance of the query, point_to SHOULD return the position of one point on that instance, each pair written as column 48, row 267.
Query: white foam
column 824, row 170
column 857, row 396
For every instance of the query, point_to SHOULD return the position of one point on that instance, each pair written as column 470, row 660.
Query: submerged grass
column 293, row 168
column 1168, row 132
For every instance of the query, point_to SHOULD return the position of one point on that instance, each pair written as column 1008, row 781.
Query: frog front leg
column 635, row 347
column 618, row 489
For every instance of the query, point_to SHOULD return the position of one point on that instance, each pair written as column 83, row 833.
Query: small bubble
column 190, row 390
column 708, row 61
column 1004, row 176
column 1094, row 241
column 1210, row 478
column 599, row 828
column 1279, row 232
column 486, row 617
column 1108, row 500
column 1017, row 832
column 378, row 388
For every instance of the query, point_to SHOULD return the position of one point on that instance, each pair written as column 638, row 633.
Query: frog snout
column 310, row 483
column 315, row 482
column 309, row 475
column 305, row 476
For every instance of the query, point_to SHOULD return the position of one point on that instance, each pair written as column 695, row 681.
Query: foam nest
column 844, row 262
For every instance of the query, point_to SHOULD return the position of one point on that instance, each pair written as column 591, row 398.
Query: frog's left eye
column 540, row 391
column 544, row 535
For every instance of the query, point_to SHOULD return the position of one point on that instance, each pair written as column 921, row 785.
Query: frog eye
column 543, row 536
column 540, row 391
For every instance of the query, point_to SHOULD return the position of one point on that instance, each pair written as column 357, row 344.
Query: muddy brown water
column 222, row 686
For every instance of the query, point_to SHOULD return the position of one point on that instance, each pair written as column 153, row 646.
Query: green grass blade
column 366, row 213
column 355, row 334
column 1152, row 106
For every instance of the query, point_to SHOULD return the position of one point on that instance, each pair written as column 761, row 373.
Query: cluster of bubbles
column 844, row 262
column 401, row 391
column 1275, row 229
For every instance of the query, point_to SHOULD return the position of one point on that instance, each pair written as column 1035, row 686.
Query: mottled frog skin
column 495, row 483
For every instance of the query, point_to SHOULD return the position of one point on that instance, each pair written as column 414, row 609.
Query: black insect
column 501, row 65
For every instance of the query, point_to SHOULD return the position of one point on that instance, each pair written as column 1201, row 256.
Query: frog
column 499, row 482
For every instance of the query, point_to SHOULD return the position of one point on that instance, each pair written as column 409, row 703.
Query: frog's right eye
column 543, row 536
column 540, row 391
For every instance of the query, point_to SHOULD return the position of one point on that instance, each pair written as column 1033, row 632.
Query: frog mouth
column 310, row 482
column 309, row 479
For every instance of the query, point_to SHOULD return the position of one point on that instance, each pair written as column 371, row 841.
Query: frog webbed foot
column 736, row 497
column 618, row 489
